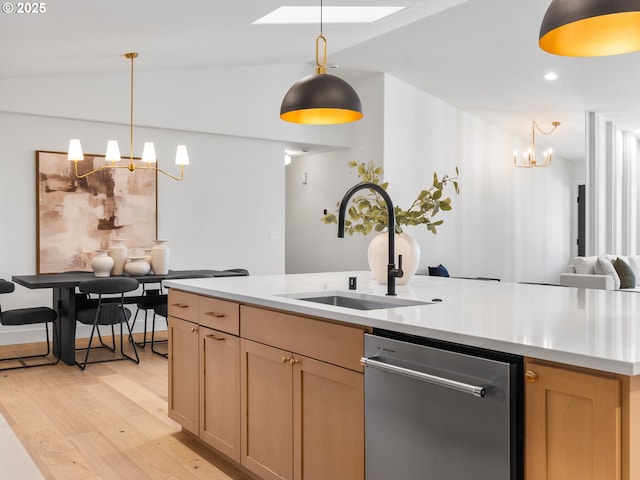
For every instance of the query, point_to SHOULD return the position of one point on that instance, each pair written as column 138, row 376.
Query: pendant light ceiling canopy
column 321, row 99
column 591, row 28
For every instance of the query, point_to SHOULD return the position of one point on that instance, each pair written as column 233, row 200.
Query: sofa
column 604, row 272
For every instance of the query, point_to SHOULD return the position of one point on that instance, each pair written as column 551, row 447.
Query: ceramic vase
column 137, row 266
column 160, row 258
column 118, row 251
column 101, row 264
column 147, row 258
column 378, row 256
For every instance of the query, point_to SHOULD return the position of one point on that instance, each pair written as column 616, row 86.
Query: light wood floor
column 107, row 422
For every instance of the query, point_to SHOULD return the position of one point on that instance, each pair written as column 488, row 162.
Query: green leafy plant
column 368, row 212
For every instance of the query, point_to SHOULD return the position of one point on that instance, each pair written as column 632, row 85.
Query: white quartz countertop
column 589, row 328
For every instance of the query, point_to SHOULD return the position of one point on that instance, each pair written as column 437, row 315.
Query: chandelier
column 529, row 157
column 112, row 157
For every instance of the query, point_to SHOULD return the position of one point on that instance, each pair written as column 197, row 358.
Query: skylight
column 311, row 14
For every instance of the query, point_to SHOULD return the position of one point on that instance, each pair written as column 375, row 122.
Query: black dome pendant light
column 321, row 99
column 591, row 28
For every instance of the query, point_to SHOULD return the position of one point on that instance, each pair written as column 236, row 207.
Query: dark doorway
column 582, row 213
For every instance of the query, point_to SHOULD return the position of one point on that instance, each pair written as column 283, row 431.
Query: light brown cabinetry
column 204, row 369
column 267, row 406
column 313, row 428
column 328, row 421
column 285, row 398
column 183, row 373
column 220, row 391
column 580, row 424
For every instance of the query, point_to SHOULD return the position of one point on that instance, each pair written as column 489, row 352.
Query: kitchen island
column 582, row 351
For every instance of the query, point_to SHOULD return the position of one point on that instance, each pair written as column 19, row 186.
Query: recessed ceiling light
column 550, row 76
column 311, row 14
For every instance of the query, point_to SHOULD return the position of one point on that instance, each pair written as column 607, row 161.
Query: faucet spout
column 392, row 271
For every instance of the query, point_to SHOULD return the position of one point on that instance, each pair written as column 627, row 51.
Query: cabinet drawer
column 219, row 314
column 183, row 305
column 341, row 345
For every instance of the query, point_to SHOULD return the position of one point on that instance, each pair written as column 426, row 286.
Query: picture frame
column 77, row 216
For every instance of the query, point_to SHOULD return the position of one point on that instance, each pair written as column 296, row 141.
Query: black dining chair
column 147, row 302
column 28, row 316
column 109, row 310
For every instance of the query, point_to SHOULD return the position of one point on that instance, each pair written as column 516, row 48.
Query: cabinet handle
column 194, row 329
column 214, row 314
column 286, row 359
column 293, row 361
column 180, row 305
column 531, row 377
column 217, row 339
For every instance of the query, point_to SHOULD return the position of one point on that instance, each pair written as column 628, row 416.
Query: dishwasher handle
column 475, row 390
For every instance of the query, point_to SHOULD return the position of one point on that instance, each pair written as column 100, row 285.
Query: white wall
column 243, row 101
column 507, row 223
column 612, row 191
column 311, row 245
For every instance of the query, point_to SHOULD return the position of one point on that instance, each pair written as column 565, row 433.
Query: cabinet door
column 328, row 424
column 266, row 419
column 220, row 391
column 572, row 425
column 183, row 373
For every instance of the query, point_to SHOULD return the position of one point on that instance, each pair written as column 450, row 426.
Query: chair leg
column 133, row 322
column 153, row 340
column 133, row 344
column 22, row 359
column 144, row 338
column 113, row 340
column 86, row 356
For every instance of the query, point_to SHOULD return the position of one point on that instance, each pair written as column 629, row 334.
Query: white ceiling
column 478, row 55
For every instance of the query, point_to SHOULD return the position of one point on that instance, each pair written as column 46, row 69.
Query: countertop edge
column 342, row 315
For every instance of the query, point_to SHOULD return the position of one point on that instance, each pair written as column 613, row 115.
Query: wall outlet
column 273, row 235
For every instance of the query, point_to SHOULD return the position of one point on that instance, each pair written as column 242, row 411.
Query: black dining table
column 64, row 299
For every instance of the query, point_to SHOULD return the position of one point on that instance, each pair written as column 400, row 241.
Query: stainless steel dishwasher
column 441, row 411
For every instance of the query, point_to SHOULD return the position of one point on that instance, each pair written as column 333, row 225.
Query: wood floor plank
column 140, row 396
column 106, row 422
column 104, row 456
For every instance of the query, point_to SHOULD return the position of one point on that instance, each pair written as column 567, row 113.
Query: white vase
column 137, row 266
column 101, row 264
column 378, row 256
column 118, row 251
column 147, row 258
column 160, row 258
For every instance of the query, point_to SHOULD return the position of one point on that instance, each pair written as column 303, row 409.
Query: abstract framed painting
column 77, row 216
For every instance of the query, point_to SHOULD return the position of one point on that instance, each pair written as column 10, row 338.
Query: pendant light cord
column 131, row 120
column 321, row 67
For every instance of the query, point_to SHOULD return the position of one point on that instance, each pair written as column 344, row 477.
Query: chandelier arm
column 536, row 126
column 179, row 179
column 104, row 167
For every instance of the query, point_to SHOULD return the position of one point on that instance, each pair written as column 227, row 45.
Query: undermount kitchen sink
column 358, row 301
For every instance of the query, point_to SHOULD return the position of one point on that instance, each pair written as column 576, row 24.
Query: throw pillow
column 439, row 271
column 634, row 261
column 625, row 272
column 585, row 265
column 604, row 267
